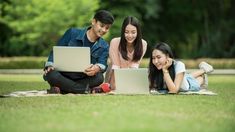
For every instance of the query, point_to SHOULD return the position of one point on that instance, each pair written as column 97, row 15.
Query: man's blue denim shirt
column 75, row 37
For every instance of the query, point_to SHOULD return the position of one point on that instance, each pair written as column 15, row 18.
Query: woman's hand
column 168, row 64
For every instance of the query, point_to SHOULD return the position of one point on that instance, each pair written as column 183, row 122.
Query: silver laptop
column 71, row 59
column 131, row 81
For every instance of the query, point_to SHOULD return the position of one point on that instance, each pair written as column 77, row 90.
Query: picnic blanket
column 44, row 93
column 29, row 93
column 34, row 93
column 201, row 92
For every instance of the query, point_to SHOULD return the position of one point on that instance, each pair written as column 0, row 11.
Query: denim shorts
column 193, row 83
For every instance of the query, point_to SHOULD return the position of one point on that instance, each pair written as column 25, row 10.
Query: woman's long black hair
column 156, row 76
column 138, row 48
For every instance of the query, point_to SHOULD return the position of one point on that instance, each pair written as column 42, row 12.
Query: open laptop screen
column 131, row 81
column 71, row 59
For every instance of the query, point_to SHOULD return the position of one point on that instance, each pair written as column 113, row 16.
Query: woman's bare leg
column 198, row 73
column 200, row 80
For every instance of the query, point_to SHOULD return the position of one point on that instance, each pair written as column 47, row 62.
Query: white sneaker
column 206, row 67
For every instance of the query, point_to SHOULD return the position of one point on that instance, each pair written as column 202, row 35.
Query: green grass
column 30, row 62
column 116, row 112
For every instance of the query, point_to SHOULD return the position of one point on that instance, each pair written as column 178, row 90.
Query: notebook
column 131, row 81
column 71, row 59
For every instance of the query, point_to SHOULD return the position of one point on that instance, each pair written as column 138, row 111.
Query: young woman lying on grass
column 169, row 75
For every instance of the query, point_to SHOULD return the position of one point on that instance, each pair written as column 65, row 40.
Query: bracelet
column 165, row 71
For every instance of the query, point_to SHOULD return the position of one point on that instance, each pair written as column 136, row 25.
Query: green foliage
column 194, row 29
column 22, row 62
column 38, row 24
column 115, row 113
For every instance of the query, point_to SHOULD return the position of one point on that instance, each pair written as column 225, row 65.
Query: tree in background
column 197, row 28
column 36, row 25
column 193, row 28
column 5, row 30
column 217, row 38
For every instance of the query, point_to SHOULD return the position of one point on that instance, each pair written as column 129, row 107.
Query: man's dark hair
column 104, row 16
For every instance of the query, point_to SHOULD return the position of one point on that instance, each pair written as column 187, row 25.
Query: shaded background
column 194, row 28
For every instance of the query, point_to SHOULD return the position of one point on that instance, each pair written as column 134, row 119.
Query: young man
column 81, row 82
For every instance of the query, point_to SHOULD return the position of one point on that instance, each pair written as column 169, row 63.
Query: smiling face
column 100, row 28
column 130, row 33
column 159, row 58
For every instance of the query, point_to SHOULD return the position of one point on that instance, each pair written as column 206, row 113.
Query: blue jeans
column 193, row 83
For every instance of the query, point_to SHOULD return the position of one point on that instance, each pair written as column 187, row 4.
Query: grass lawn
column 114, row 113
